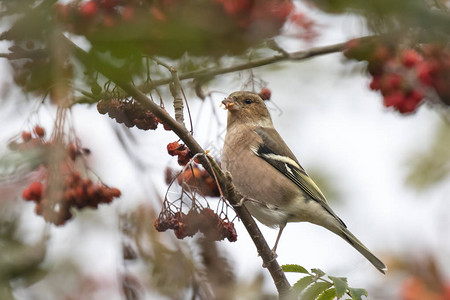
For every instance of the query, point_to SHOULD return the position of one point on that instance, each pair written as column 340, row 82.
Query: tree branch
column 293, row 56
column 278, row 276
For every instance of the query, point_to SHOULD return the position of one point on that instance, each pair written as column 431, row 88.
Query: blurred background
column 384, row 171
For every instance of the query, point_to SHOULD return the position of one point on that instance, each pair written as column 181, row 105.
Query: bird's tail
column 352, row 240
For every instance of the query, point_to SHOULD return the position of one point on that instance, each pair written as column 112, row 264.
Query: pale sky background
column 332, row 122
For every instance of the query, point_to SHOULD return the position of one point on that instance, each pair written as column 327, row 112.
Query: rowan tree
column 142, row 63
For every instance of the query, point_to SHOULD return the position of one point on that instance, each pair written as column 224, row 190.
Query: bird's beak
column 229, row 104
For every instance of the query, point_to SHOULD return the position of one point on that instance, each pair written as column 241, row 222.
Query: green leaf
column 328, row 294
column 319, row 273
column 294, row 268
column 315, row 290
column 341, row 285
column 300, row 285
column 357, row 293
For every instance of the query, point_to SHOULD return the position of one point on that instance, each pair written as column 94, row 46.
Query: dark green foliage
column 315, row 286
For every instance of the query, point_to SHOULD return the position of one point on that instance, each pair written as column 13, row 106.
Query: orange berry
column 39, row 131
column 26, row 194
column 26, row 136
column 174, row 148
column 410, row 58
column 36, row 189
column 115, row 192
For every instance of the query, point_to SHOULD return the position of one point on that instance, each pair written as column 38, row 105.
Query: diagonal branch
column 278, row 276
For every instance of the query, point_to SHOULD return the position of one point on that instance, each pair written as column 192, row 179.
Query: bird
column 275, row 188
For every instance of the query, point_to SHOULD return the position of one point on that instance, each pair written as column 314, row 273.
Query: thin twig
column 175, row 90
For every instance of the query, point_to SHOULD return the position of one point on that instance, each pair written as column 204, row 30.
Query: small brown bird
column 275, row 187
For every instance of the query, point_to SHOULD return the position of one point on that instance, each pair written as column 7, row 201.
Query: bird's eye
column 248, row 101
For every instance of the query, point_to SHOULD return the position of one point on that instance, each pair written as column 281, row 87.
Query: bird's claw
column 274, row 256
column 240, row 203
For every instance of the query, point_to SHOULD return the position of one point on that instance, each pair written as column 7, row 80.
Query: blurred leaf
column 433, row 165
column 328, row 294
column 301, row 284
column 341, row 285
column 19, row 262
column 315, row 290
column 357, row 293
column 319, row 273
column 22, row 161
column 294, row 268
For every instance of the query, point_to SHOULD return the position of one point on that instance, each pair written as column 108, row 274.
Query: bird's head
column 248, row 108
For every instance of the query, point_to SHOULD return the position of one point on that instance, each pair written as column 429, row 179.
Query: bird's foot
column 241, row 202
column 273, row 255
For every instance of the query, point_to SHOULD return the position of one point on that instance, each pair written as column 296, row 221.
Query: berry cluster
column 196, row 178
column 434, row 71
column 130, row 113
column 30, row 140
column 274, row 13
column 205, row 221
column 391, row 73
column 76, row 192
column 404, row 76
column 56, row 195
column 82, row 18
column 35, row 140
column 180, row 150
column 157, row 27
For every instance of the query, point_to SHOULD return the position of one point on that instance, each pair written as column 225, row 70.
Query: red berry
column 115, row 192
column 265, row 94
column 184, row 157
column 26, row 136
column 408, row 105
column 410, row 58
column 375, row 84
column 89, row 9
column 173, row 148
column 33, row 192
column 40, row 132
column 391, row 81
column 425, row 73
column 417, row 95
column 26, row 194
column 394, row 99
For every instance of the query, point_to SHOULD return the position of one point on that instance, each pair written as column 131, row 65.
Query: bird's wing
column 275, row 151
